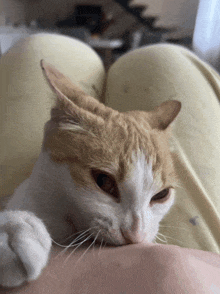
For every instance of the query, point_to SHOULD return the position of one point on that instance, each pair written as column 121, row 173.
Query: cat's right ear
column 58, row 81
column 60, row 84
column 71, row 101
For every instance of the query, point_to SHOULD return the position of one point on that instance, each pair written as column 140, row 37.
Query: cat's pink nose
column 133, row 237
column 134, row 233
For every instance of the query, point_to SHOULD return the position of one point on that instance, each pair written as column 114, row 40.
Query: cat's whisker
column 58, row 244
column 89, row 237
column 83, row 234
column 171, row 238
column 100, row 247
column 93, row 243
column 76, row 239
column 96, row 238
column 75, row 234
column 73, row 243
column 164, row 241
column 67, row 247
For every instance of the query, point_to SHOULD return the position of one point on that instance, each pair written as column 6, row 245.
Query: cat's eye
column 106, row 183
column 161, row 196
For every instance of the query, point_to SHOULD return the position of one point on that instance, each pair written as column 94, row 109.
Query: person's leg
column 150, row 75
column 26, row 98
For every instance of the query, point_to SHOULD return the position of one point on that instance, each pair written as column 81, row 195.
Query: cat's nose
column 134, row 233
column 133, row 237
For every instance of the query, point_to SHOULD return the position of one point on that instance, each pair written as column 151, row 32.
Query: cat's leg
column 24, row 247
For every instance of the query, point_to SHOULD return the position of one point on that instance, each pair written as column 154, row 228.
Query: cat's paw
column 24, row 247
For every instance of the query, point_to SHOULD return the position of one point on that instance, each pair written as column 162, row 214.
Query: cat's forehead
column 119, row 145
column 141, row 151
column 125, row 139
column 126, row 132
column 140, row 180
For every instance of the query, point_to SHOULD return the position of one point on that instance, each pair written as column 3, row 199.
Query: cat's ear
column 71, row 101
column 164, row 114
column 57, row 80
column 60, row 84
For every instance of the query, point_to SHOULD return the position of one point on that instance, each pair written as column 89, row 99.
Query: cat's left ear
column 164, row 114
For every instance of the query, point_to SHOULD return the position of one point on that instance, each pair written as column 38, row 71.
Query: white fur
column 50, row 194
column 24, row 247
column 136, row 192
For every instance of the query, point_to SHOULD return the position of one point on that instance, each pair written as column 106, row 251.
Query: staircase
column 175, row 19
column 172, row 19
column 138, row 9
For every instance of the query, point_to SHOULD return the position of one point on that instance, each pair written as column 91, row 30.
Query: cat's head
column 122, row 176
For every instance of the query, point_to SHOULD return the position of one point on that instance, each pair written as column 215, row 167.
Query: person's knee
column 161, row 53
column 167, row 47
column 153, row 57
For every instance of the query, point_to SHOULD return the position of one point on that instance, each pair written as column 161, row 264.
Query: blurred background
column 113, row 27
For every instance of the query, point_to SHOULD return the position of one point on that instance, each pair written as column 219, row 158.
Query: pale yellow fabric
column 141, row 80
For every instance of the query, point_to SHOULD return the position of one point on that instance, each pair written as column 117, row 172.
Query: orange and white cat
column 100, row 171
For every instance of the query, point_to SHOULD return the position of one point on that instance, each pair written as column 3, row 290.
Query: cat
column 101, row 171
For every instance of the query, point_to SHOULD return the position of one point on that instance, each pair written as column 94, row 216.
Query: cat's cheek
column 113, row 236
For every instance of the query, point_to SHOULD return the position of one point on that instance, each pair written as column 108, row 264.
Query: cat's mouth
column 98, row 234
column 100, row 238
column 91, row 242
column 103, row 244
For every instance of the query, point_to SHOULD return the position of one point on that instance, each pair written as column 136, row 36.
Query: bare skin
column 142, row 268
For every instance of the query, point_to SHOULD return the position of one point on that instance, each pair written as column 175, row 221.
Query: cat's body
column 107, row 173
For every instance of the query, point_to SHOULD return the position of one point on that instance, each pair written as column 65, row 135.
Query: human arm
column 146, row 268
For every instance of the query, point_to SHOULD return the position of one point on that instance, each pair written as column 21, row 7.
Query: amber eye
column 161, row 196
column 106, row 183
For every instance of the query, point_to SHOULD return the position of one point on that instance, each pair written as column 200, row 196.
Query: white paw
column 24, row 247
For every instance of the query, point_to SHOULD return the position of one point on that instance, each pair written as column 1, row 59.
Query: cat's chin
column 110, row 244
column 119, row 242
column 114, row 238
